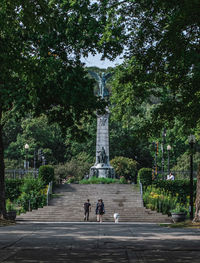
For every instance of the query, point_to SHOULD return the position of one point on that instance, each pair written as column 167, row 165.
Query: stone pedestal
column 102, row 167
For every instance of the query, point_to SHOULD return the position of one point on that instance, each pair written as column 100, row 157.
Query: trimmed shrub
column 13, row 186
column 125, row 167
column 46, row 173
column 145, row 176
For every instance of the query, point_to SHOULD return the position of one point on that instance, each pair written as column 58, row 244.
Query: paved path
column 92, row 242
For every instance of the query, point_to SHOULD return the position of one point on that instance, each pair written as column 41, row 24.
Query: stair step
column 68, row 205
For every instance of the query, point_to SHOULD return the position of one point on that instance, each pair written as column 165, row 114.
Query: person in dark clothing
column 87, row 210
column 100, row 210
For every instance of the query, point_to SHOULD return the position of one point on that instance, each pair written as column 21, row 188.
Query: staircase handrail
column 49, row 192
column 141, row 192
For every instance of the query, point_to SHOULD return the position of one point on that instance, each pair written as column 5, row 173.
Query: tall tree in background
column 162, row 41
column 41, row 43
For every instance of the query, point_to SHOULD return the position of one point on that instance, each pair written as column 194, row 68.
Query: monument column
column 102, row 167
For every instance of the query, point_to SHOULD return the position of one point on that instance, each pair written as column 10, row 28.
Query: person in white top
column 170, row 177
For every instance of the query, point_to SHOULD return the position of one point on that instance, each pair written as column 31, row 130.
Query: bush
column 33, row 191
column 176, row 187
column 163, row 201
column 159, row 200
column 76, row 167
column 122, row 180
column 13, row 190
column 46, row 174
column 125, row 167
column 36, row 199
column 31, row 184
column 145, row 176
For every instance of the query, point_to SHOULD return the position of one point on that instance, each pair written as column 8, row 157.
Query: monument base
column 102, row 171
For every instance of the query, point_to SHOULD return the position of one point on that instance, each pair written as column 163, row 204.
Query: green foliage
column 145, row 176
column 41, row 65
column 125, row 167
column 168, row 196
column 179, row 209
column 13, row 188
column 39, row 134
column 9, row 205
column 46, row 174
column 159, row 200
column 31, row 184
column 129, row 142
column 183, row 164
column 122, row 180
column 34, row 198
column 169, row 60
column 96, row 180
column 33, row 194
column 180, row 188
column 77, row 167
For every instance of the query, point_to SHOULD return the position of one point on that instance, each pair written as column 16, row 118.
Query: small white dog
column 116, row 217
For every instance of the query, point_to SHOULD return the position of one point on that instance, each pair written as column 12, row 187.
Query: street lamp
column 168, row 150
column 26, row 150
column 162, row 148
column 191, row 140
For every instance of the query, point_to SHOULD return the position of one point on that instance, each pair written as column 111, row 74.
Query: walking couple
column 99, row 210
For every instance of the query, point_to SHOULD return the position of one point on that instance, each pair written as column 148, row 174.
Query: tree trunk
column 2, row 173
column 197, row 202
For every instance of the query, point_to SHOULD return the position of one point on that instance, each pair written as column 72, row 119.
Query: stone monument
column 102, row 167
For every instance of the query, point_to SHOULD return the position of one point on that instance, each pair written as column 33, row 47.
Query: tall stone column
column 102, row 140
column 102, row 167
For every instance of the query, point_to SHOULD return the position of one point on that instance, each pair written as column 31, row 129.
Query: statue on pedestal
column 102, row 167
column 102, row 157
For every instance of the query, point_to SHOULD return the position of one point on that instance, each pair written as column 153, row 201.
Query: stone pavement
column 94, row 242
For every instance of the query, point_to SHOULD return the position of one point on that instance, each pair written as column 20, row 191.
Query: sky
column 95, row 61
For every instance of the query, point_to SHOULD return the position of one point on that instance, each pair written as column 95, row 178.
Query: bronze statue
column 103, row 91
column 102, row 157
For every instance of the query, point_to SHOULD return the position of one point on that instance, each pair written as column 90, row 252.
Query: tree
column 40, row 48
column 163, row 37
column 39, row 134
column 197, row 201
column 125, row 167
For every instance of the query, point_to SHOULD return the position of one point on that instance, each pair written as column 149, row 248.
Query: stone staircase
column 67, row 206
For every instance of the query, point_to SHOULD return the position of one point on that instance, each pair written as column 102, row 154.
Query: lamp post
column 191, row 140
column 162, row 148
column 26, row 150
column 168, row 150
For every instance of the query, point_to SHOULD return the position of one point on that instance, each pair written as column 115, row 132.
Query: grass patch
column 185, row 224
column 95, row 180
column 4, row 222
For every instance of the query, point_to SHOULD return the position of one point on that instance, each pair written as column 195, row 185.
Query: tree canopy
column 163, row 59
column 41, row 43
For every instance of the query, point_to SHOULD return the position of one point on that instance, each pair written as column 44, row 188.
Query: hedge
column 145, row 176
column 46, row 173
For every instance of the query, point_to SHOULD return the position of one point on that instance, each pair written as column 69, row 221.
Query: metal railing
column 141, row 193
column 20, row 173
column 49, row 192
